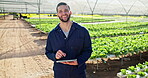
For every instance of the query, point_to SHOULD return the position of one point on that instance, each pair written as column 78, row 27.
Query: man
column 68, row 41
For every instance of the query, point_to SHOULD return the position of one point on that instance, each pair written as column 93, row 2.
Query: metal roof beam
column 20, row 2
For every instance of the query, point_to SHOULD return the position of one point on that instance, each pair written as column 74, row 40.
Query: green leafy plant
column 142, row 74
column 131, row 76
column 146, row 70
column 141, row 66
column 118, row 45
column 123, row 71
column 132, row 68
column 146, row 63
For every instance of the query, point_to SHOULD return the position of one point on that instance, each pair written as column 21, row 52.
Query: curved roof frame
column 8, row 2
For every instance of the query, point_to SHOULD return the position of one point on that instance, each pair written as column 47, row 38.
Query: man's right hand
column 60, row 54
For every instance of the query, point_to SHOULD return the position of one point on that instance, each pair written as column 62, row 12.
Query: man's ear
column 70, row 12
column 57, row 15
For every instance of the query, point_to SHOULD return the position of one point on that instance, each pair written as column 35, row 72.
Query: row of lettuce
column 138, row 71
column 99, row 30
column 77, row 19
column 117, row 29
column 109, row 38
column 2, row 14
column 118, row 46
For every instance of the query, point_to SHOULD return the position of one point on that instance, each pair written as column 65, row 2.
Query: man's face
column 64, row 13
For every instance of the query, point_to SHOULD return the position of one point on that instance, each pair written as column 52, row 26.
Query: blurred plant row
column 138, row 71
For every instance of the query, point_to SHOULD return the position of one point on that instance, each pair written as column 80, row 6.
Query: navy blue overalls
column 76, row 46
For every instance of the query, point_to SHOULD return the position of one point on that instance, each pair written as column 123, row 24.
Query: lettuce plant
column 132, row 68
column 142, row 74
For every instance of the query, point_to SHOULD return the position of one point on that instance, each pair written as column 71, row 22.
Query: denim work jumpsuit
column 76, row 46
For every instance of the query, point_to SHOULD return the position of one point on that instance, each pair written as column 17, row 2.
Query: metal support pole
column 92, row 9
column 92, row 17
column 126, row 17
column 26, row 8
column 122, row 61
column 39, row 14
column 4, row 12
column 97, row 65
column 140, row 56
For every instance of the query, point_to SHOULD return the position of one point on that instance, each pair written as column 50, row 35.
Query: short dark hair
column 61, row 3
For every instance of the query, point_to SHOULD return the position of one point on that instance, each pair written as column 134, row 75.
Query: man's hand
column 60, row 54
column 71, row 63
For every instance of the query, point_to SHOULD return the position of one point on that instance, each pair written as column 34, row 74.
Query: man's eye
column 60, row 11
column 66, row 11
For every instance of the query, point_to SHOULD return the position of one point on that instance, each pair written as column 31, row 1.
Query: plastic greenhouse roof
column 133, row 7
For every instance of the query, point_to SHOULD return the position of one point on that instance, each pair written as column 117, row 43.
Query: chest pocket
column 78, row 42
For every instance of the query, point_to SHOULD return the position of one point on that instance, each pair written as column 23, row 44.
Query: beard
column 65, row 20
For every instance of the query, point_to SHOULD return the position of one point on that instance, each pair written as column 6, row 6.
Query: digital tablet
column 66, row 60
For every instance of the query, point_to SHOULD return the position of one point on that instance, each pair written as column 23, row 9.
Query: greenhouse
column 132, row 7
column 118, row 31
